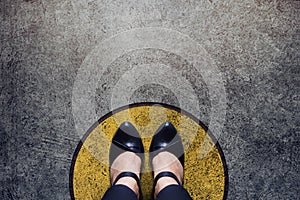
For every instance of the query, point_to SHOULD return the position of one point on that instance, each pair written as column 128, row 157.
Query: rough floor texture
column 253, row 43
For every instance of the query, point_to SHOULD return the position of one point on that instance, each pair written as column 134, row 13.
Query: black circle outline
column 133, row 105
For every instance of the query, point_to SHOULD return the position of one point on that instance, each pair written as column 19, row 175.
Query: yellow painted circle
column 204, row 171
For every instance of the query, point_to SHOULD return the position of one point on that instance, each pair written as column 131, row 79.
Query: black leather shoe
column 125, row 139
column 167, row 139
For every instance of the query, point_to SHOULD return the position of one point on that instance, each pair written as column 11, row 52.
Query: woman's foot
column 126, row 162
column 165, row 161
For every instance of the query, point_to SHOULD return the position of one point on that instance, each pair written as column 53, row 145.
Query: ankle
column 130, row 183
column 166, row 162
column 164, row 182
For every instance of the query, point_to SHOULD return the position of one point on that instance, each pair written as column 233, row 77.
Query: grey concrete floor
column 253, row 43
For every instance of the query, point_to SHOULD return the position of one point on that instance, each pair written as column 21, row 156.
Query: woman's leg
column 167, row 188
column 173, row 192
column 117, row 192
column 124, row 187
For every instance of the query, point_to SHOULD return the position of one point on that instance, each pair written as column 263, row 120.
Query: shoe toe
column 126, row 138
column 163, row 136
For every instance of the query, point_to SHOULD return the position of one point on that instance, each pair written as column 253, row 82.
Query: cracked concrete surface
column 254, row 44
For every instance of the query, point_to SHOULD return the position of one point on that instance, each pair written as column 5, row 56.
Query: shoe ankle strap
column 127, row 174
column 166, row 174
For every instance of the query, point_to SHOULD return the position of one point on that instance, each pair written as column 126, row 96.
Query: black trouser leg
column 173, row 192
column 118, row 192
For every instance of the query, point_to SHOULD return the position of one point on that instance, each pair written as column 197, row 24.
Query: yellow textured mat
column 205, row 169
